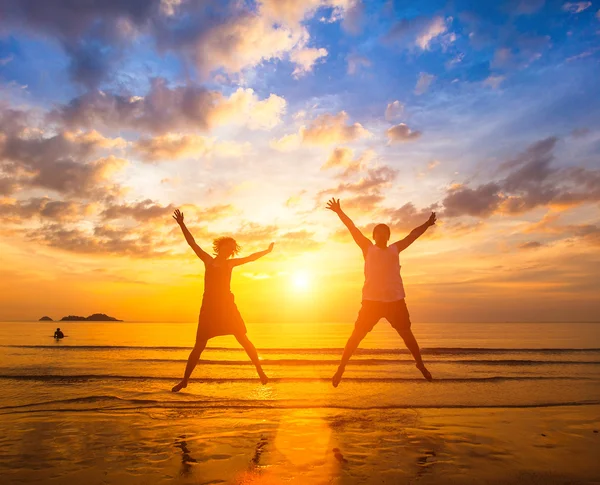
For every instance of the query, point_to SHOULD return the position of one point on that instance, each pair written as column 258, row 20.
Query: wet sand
column 547, row 445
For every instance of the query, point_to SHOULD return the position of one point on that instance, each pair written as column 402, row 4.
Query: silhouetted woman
column 219, row 314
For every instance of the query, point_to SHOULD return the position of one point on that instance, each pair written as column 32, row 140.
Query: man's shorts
column 394, row 312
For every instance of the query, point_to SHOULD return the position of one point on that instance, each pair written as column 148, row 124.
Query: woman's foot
column 263, row 377
column 180, row 386
column 425, row 372
column 337, row 377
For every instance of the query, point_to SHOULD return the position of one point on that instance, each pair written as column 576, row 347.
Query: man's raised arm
column 359, row 237
column 415, row 233
column 203, row 255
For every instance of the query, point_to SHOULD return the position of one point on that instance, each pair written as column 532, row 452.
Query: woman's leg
column 191, row 364
column 251, row 351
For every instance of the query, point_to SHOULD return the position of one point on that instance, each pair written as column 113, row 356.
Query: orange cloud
column 325, row 129
column 342, row 157
column 175, row 145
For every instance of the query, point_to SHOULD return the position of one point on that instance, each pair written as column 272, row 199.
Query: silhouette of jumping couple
column 219, row 314
column 383, row 292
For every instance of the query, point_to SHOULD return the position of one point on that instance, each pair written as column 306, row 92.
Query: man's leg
column 399, row 317
column 411, row 343
column 191, row 364
column 251, row 351
column 351, row 346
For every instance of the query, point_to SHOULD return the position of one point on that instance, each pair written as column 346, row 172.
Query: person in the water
column 58, row 334
column 219, row 314
column 383, row 291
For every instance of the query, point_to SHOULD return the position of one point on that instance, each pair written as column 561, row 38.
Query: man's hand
column 432, row 219
column 178, row 216
column 334, row 205
column 271, row 247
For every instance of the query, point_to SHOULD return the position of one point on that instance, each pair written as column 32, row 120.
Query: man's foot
column 425, row 372
column 263, row 378
column 337, row 377
column 179, row 387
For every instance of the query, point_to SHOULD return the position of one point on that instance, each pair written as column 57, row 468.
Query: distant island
column 96, row 317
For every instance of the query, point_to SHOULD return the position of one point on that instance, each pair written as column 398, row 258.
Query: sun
column 301, row 280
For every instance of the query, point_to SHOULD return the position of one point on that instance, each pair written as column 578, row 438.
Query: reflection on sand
column 186, row 459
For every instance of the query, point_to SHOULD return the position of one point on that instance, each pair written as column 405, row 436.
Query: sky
column 249, row 115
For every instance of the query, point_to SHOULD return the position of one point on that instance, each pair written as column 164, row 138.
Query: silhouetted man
column 383, row 291
column 58, row 333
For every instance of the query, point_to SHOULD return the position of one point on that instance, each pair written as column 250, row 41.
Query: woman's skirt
column 219, row 316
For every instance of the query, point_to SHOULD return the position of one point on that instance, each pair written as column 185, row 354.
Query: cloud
column 531, row 181
column 375, row 179
column 356, row 61
column 141, row 242
column 530, row 245
column 325, row 129
column 528, row 7
column 62, row 162
column 244, row 107
column 93, row 34
column 292, row 11
column 301, row 240
column 423, row 83
column 228, row 35
column 287, row 143
column 17, row 211
column 172, row 146
column 5, row 60
column 212, row 213
column 493, row 81
column 419, row 31
column 401, row 133
column 480, row 202
column 143, row 211
column 408, row 216
column 305, row 59
column 393, row 110
column 7, row 185
column 576, row 7
column 343, row 157
column 165, row 109
column 328, row 128
column 364, row 203
column 340, row 157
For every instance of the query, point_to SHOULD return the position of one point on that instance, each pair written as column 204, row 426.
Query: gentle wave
column 309, row 362
column 327, row 350
column 84, row 377
column 120, row 404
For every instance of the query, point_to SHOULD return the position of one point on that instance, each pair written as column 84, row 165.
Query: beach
column 96, row 407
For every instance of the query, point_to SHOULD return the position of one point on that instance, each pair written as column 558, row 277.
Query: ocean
column 103, row 393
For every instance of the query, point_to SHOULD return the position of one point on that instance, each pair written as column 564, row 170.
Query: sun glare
column 301, row 280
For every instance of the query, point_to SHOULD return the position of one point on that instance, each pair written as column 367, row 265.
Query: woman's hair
column 220, row 241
